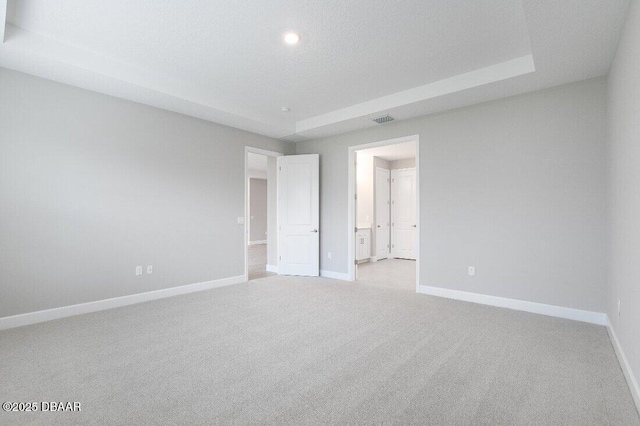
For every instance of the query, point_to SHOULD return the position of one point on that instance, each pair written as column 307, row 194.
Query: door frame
column 253, row 150
column 351, row 219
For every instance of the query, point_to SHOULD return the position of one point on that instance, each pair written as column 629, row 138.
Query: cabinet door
column 366, row 246
column 359, row 239
column 363, row 244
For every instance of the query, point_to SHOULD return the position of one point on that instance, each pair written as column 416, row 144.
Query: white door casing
column 383, row 217
column 351, row 201
column 403, row 213
column 271, row 154
column 299, row 215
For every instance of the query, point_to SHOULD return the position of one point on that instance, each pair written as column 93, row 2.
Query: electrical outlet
column 618, row 307
column 472, row 270
column 138, row 270
column 149, row 269
column 329, row 255
column 240, row 220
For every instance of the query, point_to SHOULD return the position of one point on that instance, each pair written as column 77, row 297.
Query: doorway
column 384, row 241
column 260, row 227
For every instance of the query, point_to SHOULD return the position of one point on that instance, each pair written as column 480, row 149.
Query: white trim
column 351, row 190
column 624, row 364
column 247, row 150
column 115, row 302
column 255, row 243
column 335, row 275
column 261, row 151
column 518, row 305
column 272, row 268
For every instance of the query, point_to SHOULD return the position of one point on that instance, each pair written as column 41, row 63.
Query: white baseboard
column 101, row 305
column 518, row 305
column 335, row 275
column 550, row 310
column 272, row 268
column 379, row 258
column 624, row 364
column 253, row 243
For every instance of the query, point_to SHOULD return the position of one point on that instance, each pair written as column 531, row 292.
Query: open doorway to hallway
column 385, row 215
column 261, row 214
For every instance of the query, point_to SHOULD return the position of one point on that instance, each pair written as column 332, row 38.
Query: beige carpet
column 258, row 262
column 286, row 350
column 399, row 274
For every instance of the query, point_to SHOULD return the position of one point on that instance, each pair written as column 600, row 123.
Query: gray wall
column 514, row 187
column 91, row 186
column 624, row 190
column 257, row 210
column 272, row 211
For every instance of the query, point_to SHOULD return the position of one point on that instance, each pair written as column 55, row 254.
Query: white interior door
column 299, row 215
column 403, row 213
column 383, row 213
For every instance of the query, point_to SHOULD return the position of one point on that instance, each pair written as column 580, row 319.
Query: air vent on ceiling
column 383, row 119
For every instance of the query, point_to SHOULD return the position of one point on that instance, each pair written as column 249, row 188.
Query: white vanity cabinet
column 363, row 244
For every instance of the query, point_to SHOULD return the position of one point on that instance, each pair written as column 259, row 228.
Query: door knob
column 315, row 230
column 379, row 226
column 414, row 226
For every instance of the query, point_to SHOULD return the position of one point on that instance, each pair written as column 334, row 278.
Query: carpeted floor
column 288, row 350
column 258, row 262
column 399, row 274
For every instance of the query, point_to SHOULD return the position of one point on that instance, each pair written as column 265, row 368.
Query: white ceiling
column 399, row 151
column 224, row 60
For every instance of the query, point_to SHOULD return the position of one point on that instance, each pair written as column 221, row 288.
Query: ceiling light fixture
column 291, row 38
column 285, row 109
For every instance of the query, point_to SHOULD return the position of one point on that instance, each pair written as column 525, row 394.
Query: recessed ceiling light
column 291, row 38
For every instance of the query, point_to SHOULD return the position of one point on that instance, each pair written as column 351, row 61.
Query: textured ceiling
column 224, row 60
